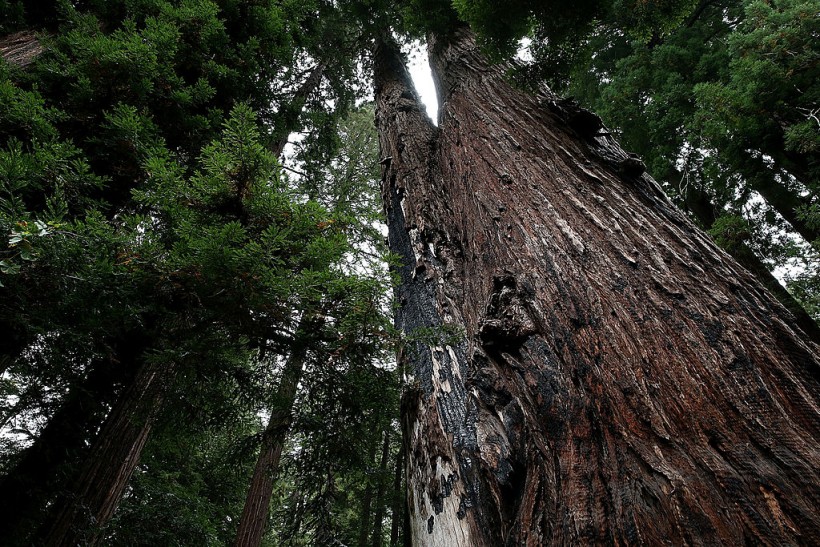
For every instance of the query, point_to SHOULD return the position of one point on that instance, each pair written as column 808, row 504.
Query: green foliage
column 770, row 97
column 443, row 335
column 730, row 232
column 188, row 489
column 144, row 219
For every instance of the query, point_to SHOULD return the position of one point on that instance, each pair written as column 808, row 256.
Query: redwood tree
column 596, row 369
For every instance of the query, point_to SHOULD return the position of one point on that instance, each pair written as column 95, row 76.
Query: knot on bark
column 587, row 124
column 631, row 166
column 507, row 323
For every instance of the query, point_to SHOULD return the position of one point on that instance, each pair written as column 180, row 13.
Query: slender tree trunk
column 14, row 341
column 367, row 495
column 398, row 495
column 325, row 531
column 787, row 203
column 294, row 109
column 83, row 514
column 378, row 520
column 618, row 378
column 254, row 519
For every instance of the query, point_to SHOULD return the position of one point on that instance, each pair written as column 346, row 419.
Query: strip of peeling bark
column 619, row 379
column 21, row 48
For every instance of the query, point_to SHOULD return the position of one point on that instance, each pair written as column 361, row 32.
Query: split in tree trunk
column 617, row 378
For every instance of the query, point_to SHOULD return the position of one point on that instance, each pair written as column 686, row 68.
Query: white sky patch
column 419, row 68
column 524, row 54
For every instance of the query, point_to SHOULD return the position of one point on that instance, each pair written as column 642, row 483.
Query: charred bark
column 619, row 379
column 82, row 514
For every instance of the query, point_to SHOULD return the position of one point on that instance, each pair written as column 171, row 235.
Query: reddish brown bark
column 699, row 203
column 83, row 514
column 619, row 379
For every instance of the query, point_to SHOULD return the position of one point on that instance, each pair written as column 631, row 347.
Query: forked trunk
column 603, row 373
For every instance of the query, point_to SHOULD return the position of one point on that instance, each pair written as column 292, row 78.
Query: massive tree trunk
column 84, row 512
column 604, row 373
